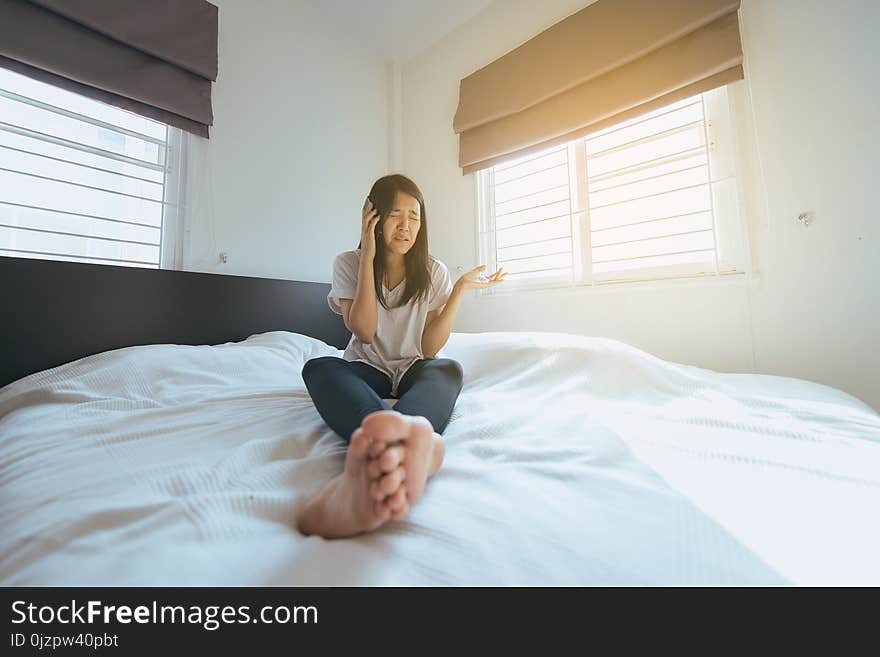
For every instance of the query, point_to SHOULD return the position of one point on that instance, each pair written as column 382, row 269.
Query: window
column 649, row 198
column 84, row 181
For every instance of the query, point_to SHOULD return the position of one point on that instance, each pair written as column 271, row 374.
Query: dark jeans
column 346, row 392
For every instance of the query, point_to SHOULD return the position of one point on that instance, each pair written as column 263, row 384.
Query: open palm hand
column 477, row 279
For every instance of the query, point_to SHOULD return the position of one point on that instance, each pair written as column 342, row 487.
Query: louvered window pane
column 632, row 201
column 663, row 217
column 80, row 180
column 532, row 215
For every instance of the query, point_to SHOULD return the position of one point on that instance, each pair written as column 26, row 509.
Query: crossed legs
column 392, row 453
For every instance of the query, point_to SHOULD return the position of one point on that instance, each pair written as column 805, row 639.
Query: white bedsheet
column 570, row 460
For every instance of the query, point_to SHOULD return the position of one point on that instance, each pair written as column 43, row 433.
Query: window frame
column 172, row 243
column 737, row 269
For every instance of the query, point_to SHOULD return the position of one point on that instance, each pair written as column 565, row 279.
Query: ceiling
column 398, row 30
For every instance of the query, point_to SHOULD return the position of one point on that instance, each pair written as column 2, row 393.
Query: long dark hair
column 418, row 275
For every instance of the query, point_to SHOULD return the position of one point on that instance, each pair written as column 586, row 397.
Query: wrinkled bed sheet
column 571, row 461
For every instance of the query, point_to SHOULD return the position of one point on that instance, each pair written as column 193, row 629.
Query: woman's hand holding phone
column 368, row 230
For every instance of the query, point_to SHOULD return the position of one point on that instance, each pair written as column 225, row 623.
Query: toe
column 376, row 448
column 397, row 501
column 374, row 470
column 392, row 457
column 400, row 513
column 422, row 421
column 358, row 445
column 387, row 425
column 391, row 482
column 421, row 429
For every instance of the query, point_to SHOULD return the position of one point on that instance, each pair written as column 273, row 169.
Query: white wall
column 300, row 133
column 815, row 92
column 813, row 313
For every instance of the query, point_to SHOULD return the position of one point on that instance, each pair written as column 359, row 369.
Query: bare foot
column 423, row 448
column 344, row 506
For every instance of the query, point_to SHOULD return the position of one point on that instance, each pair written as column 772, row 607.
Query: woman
column 399, row 304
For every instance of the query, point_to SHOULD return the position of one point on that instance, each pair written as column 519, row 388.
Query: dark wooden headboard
column 54, row 312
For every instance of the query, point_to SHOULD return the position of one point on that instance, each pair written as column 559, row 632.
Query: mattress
column 570, row 460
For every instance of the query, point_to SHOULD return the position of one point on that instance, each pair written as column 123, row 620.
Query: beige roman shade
column 610, row 61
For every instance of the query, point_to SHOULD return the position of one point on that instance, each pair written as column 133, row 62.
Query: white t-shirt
column 398, row 340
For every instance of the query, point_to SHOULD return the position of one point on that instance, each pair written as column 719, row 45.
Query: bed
column 571, row 460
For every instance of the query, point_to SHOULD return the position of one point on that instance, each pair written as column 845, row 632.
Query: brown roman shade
column 610, row 61
column 156, row 58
